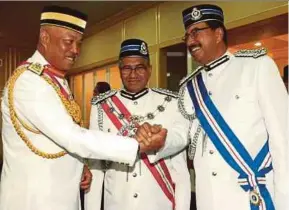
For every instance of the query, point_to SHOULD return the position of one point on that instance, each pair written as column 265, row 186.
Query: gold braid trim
column 71, row 106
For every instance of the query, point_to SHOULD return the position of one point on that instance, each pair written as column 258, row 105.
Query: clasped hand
column 150, row 137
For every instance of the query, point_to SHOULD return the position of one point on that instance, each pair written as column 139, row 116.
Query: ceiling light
column 258, row 44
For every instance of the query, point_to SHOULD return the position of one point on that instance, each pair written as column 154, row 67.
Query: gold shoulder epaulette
column 103, row 96
column 254, row 53
column 36, row 68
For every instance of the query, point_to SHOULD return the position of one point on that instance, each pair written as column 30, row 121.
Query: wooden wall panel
column 2, row 70
column 280, row 56
column 114, row 78
column 101, row 46
column 143, row 26
column 171, row 26
column 78, row 90
column 100, row 75
column 241, row 13
column 88, row 92
column 10, row 58
column 153, row 82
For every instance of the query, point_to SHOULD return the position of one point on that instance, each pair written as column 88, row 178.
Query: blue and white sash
column 251, row 171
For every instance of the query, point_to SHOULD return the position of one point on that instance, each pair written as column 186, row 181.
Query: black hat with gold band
column 64, row 17
column 201, row 13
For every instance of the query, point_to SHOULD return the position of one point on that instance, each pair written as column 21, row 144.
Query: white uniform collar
column 219, row 61
column 38, row 58
column 134, row 96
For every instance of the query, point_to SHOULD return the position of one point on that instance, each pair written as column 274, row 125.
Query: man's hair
column 102, row 87
column 216, row 24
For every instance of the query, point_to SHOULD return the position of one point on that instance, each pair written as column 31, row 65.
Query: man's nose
column 191, row 41
column 75, row 49
column 133, row 73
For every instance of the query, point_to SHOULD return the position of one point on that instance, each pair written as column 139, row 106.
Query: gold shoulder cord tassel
column 71, row 106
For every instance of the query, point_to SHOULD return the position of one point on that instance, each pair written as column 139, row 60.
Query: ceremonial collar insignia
column 134, row 96
column 165, row 92
column 37, row 68
column 196, row 14
column 190, row 76
column 216, row 63
column 207, row 68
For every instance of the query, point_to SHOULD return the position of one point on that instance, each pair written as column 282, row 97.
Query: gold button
column 214, row 173
column 135, row 195
column 134, row 174
column 211, row 152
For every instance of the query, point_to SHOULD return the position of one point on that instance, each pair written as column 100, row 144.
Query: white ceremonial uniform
column 31, row 182
column 251, row 97
column 135, row 188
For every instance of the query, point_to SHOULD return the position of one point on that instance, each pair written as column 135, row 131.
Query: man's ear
column 219, row 34
column 44, row 38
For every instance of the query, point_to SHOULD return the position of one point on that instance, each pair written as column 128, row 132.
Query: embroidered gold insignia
column 37, row 68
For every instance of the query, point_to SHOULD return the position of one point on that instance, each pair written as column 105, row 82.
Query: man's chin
column 133, row 90
column 198, row 57
column 67, row 67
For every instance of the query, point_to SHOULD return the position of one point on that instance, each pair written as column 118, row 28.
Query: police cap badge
column 202, row 13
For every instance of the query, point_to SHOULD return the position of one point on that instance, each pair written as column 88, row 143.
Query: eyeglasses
column 139, row 69
column 193, row 34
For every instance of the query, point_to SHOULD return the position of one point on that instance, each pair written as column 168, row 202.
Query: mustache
column 194, row 45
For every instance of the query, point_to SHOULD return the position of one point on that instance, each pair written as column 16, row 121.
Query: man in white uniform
column 164, row 186
column 42, row 141
column 240, row 135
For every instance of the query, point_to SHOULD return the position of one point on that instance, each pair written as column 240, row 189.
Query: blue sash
column 251, row 171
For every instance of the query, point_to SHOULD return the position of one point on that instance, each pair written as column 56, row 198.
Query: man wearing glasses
column 239, row 140
column 164, row 185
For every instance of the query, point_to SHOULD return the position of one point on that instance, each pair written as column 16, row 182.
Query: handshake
column 150, row 137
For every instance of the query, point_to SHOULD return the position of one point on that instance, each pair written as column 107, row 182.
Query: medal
column 255, row 198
